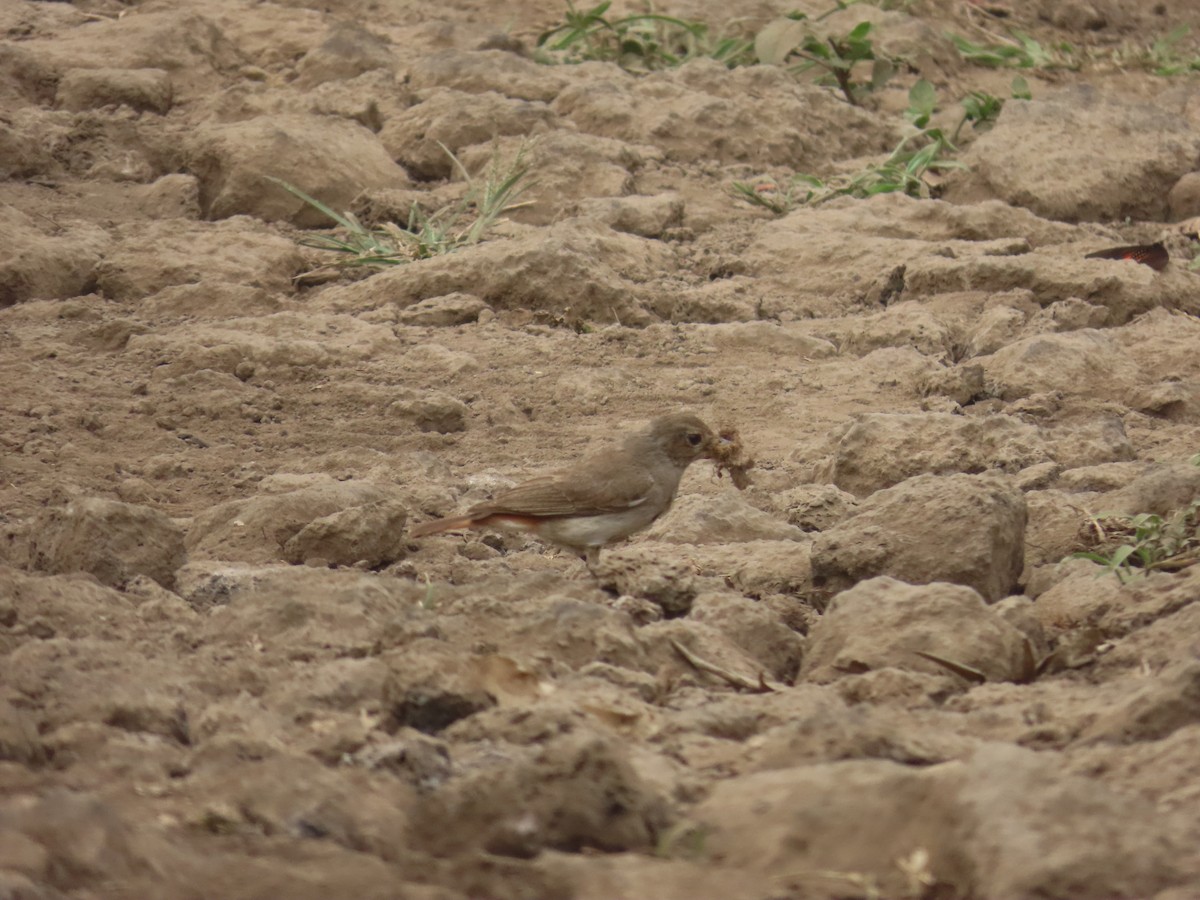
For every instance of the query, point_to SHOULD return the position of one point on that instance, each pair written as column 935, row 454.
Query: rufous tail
column 437, row 526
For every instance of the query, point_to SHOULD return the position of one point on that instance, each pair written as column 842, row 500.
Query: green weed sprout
column 639, row 42
column 903, row 171
column 450, row 228
column 1131, row 545
column 1164, row 56
column 1020, row 52
column 794, row 38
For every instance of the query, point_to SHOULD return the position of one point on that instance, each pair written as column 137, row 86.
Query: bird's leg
column 592, row 558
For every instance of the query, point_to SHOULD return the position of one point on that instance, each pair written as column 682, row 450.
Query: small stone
column 477, row 550
column 432, row 411
column 372, row 534
column 448, row 310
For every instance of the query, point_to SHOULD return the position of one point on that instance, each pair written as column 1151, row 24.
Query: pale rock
column 454, row 120
column 670, row 584
column 829, row 733
column 478, row 71
column 964, row 529
column 150, row 257
column 1084, row 363
column 767, row 337
column 515, row 808
column 444, row 311
column 907, row 324
column 111, row 540
column 581, row 271
column 962, row 384
column 754, row 628
column 739, row 123
column 430, row 411
column 1183, row 201
column 372, row 534
column 1081, row 598
column 258, row 529
column 1071, row 314
column 883, row 449
column 577, row 174
column 757, row 568
column 726, row 518
column 1175, row 401
column 883, row 623
column 328, row 158
column 646, row 216
column 1167, row 487
column 1155, row 710
column 816, row 507
column 1055, row 520
column 997, row 327
column 348, row 51
column 1004, row 822
column 1122, row 159
column 1089, row 437
column 1102, row 477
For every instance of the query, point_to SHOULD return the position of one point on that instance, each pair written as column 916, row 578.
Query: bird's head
column 683, row 437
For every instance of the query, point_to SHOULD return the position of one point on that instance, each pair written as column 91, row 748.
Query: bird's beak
column 720, row 447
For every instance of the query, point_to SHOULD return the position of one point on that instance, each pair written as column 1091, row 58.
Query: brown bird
column 602, row 499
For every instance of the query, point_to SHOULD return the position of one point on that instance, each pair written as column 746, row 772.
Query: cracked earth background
column 225, row 671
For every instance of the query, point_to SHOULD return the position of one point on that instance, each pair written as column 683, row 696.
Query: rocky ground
column 227, row 671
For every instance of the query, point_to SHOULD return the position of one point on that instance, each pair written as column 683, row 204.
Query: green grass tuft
column 446, row 230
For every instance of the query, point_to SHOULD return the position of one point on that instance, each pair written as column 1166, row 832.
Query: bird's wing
column 589, row 490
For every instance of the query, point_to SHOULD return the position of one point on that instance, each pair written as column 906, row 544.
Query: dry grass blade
column 739, row 681
column 960, row 669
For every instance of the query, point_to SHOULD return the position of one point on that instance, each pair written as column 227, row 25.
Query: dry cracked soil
column 226, row 669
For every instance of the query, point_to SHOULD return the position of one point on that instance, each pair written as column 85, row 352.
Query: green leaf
column 921, row 159
column 816, row 47
column 922, row 98
column 859, row 32
column 1121, row 554
column 1020, row 89
column 881, row 73
column 778, row 39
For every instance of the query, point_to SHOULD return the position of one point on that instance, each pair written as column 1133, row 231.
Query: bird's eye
column 694, row 438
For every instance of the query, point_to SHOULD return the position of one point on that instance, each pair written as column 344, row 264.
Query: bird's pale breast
column 596, row 531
